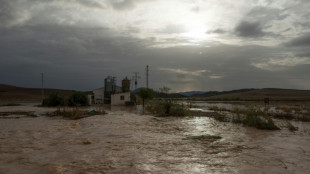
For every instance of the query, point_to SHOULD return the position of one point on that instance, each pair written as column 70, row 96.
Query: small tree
column 164, row 90
column 53, row 99
column 78, row 98
column 145, row 94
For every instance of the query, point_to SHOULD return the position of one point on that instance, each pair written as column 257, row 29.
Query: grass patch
column 17, row 114
column 168, row 108
column 259, row 119
column 75, row 113
column 10, row 104
column 251, row 117
column 221, row 118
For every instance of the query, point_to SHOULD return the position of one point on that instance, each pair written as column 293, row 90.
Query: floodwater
column 123, row 141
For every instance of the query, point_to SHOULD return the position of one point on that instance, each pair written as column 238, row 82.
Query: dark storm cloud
column 90, row 4
column 257, row 20
column 249, row 29
column 5, row 12
column 62, row 51
column 302, row 41
column 80, row 58
column 124, row 4
column 76, row 55
column 85, row 3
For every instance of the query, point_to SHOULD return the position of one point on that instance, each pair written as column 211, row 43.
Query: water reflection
column 125, row 142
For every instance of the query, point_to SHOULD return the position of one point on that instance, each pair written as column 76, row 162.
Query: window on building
column 122, row 97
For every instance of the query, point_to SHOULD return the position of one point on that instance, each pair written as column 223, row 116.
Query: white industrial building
column 98, row 96
column 113, row 94
column 120, row 98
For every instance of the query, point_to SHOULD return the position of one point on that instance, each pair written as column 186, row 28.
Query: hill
column 259, row 94
column 10, row 93
column 215, row 93
column 191, row 93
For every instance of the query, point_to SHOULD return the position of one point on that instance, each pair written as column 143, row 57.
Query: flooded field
column 125, row 141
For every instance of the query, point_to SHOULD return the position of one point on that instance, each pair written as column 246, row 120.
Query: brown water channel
column 125, row 142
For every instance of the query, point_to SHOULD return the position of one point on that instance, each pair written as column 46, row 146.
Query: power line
column 135, row 78
column 42, row 89
column 147, row 76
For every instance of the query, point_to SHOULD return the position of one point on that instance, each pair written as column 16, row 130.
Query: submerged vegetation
column 251, row 117
column 75, row 113
column 259, row 119
column 17, row 114
column 168, row 108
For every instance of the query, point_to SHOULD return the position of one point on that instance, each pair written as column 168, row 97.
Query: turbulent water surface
column 125, row 142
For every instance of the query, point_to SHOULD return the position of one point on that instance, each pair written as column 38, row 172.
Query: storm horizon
column 189, row 45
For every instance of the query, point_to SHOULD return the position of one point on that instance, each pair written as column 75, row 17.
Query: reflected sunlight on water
column 124, row 142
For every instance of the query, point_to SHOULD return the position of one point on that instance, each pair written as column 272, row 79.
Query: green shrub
column 167, row 108
column 53, row 99
column 179, row 111
column 78, row 99
column 259, row 119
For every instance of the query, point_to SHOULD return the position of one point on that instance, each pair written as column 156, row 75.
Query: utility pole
column 135, row 78
column 42, row 89
column 147, row 76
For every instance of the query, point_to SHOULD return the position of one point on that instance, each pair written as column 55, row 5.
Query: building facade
column 120, row 99
column 98, row 96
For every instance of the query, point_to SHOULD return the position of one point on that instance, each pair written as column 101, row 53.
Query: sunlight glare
column 196, row 34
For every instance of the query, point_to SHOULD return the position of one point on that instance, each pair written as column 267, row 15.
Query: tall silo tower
column 126, row 85
column 109, row 88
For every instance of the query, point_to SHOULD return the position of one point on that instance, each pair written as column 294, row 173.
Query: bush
column 53, row 99
column 167, row 108
column 259, row 119
column 78, row 99
column 179, row 111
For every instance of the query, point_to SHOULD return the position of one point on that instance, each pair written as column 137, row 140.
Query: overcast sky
column 188, row 44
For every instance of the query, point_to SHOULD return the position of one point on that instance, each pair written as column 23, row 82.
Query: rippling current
column 125, row 142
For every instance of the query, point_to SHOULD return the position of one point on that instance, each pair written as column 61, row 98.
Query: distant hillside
column 162, row 95
column 259, row 94
column 10, row 93
column 216, row 93
column 191, row 93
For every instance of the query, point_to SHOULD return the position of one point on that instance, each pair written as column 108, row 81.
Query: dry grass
column 75, row 113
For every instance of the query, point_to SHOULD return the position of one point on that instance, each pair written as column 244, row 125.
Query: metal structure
column 147, row 76
column 109, row 88
column 42, row 89
column 135, row 78
column 126, row 85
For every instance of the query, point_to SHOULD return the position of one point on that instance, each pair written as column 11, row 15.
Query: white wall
column 98, row 95
column 89, row 96
column 116, row 98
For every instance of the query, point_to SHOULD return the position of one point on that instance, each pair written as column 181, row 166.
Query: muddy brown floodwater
column 125, row 142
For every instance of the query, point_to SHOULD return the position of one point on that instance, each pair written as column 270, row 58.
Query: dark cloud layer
column 249, row 29
column 302, row 41
column 74, row 54
column 6, row 12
